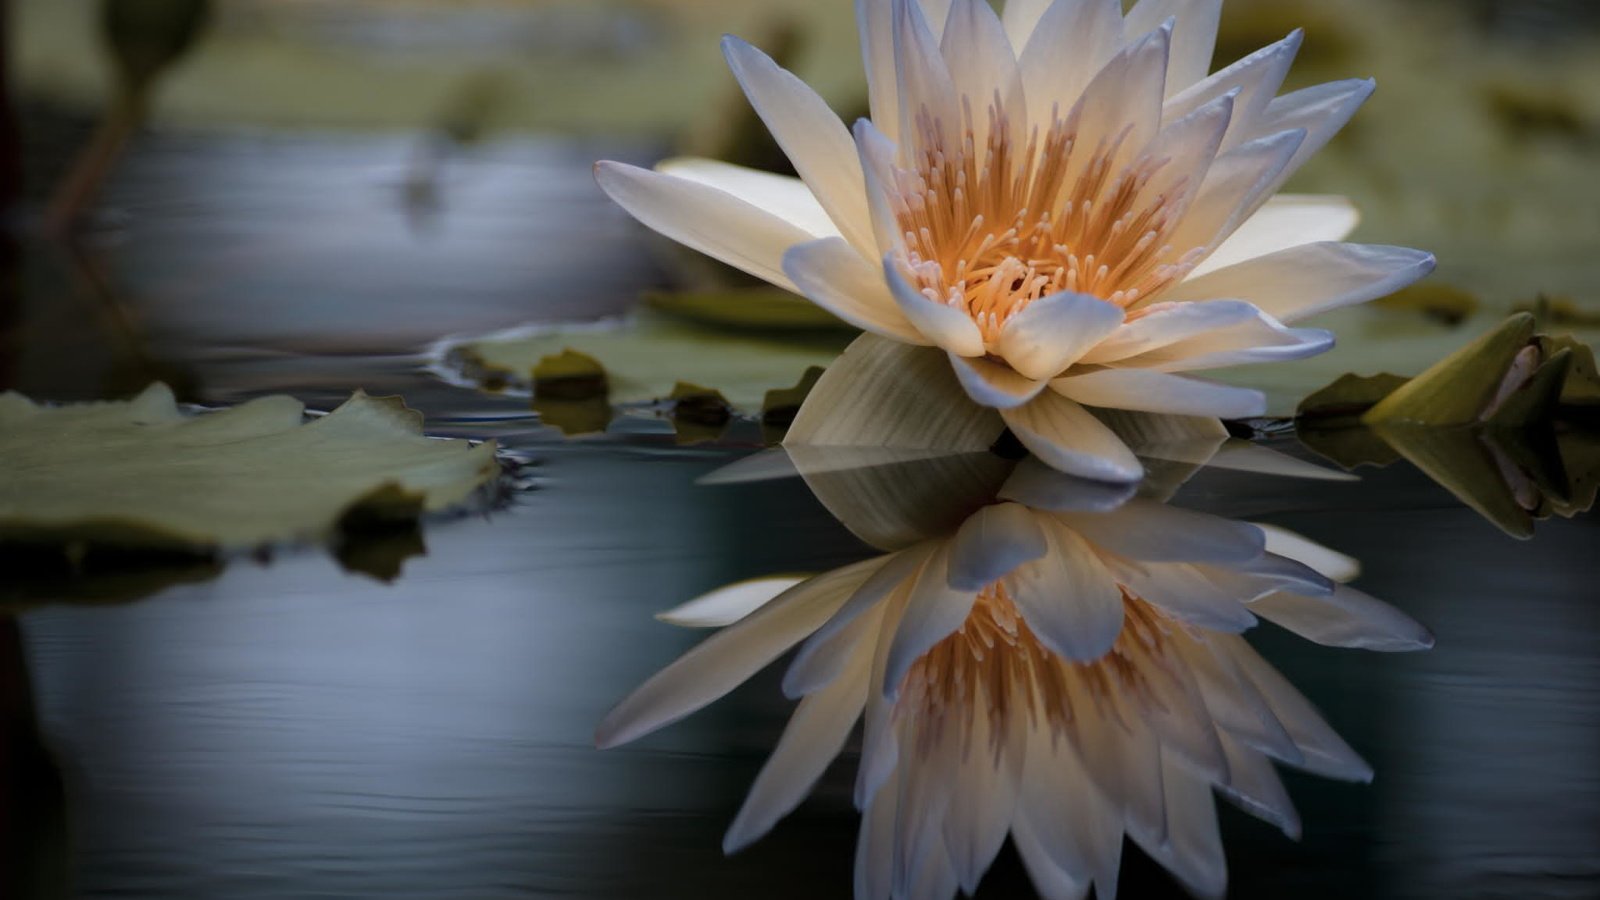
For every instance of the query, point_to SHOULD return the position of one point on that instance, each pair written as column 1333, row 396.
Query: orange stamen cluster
column 990, row 230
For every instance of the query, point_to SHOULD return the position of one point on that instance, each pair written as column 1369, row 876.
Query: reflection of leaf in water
column 1500, row 423
column 35, row 832
column 46, row 572
column 650, row 359
column 143, row 474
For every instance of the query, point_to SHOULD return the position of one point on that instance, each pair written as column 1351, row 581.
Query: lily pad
column 649, row 359
column 144, row 474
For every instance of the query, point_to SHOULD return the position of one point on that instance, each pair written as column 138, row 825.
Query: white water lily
column 1060, row 198
column 1066, row 668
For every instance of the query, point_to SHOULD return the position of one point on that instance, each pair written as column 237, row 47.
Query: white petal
column 781, row 195
column 815, row 735
column 1122, row 100
column 1329, row 562
column 1146, row 531
column 818, row 660
column 1346, row 618
column 1287, row 220
column 1050, row 880
column 875, row 24
column 831, row 274
column 1259, row 339
column 1322, row 111
column 1304, row 281
column 811, row 135
column 1194, row 40
column 1237, row 184
column 1021, row 17
column 877, row 153
column 1256, row 79
column 727, row 605
column 1036, row 485
column 993, row 384
column 706, row 219
column 1182, row 590
column 991, row 542
column 1253, row 785
column 983, row 797
column 1064, row 810
column 1168, row 323
column 875, row 842
column 1053, row 332
column 1325, row 753
column 1069, row 598
column 727, row 658
column 924, row 78
column 942, row 324
column 1066, row 437
column 1193, row 849
column 1053, row 79
column 1243, row 456
column 982, row 66
column 1159, row 392
column 933, row 612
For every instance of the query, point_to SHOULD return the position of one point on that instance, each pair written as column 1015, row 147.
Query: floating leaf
column 645, row 360
column 1345, row 401
column 1460, row 388
column 143, row 474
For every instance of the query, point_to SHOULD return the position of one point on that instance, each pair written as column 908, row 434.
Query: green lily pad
column 144, row 474
column 703, row 371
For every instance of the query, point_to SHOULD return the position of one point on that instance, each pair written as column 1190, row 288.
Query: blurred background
column 249, row 181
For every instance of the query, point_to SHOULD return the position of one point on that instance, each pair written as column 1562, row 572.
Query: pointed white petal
column 811, row 135
column 940, row 323
column 815, row 735
column 785, row 197
column 933, row 612
column 706, row 219
column 1257, row 339
column 1237, row 184
column 1193, row 849
column 727, row 605
column 983, row 797
column 1050, row 880
column 819, row 659
column 1021, row 17
column 1159, row 392
column 1254, row 786
column 877, row 153
column 994, row 384
column 1168, row 323
column 1066, row 814
column 1037, row 486
column 1255, row 80
column 1146, row 531
column 1122, row 102
column 924, row 79
column 1287, row 220
column 1069, row 598
column 1054, row 80
column 1324, row 752
column 991, row 542
column 1345, row 618
column 1194, row 40
column 727, row 658
column 1053, row 332
column 983, row 66
column 1066, row 437
column 875, row 842
column 1182, row 590
column 1331, row 563
column 1321, row 111
column 831, row 274
column 1304, row 281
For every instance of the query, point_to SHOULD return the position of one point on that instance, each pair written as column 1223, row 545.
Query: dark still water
column 289, row 728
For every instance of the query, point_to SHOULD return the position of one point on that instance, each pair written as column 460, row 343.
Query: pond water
column 290, row 728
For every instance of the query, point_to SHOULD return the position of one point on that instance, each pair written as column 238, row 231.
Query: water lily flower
column 1065, row 668
column 1061, row 199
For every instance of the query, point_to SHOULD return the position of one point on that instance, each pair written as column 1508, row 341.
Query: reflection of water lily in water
column 1065, row 668
column 1062, row 200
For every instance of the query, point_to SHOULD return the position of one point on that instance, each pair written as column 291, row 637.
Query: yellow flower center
column 990, row 231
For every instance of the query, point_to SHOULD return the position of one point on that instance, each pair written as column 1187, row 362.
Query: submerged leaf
column 143, row 474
